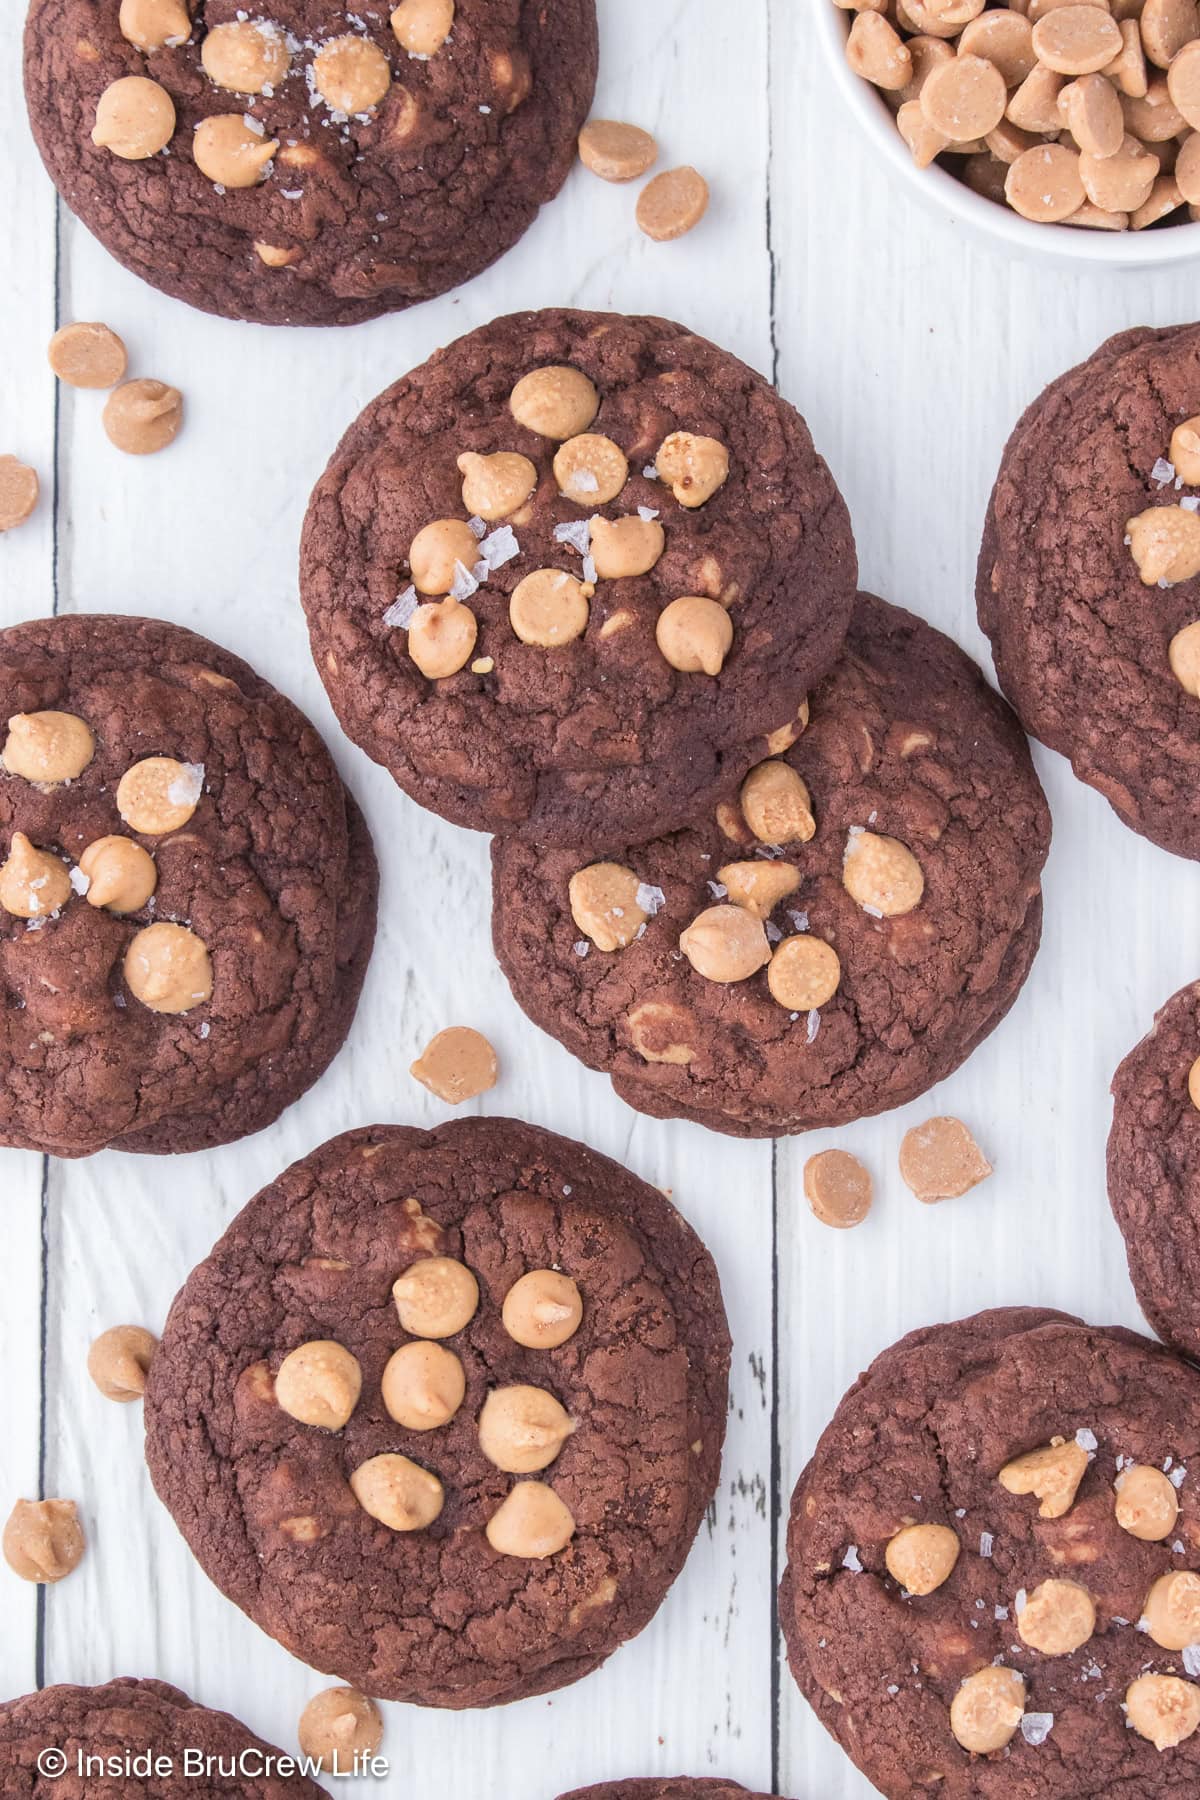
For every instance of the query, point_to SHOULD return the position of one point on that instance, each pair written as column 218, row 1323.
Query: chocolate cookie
column 563, row 579
column 1087, row 577
column 308, row 163
column 1154, row 1169
column 183, row 1751
column 990, row 1565
column 187, row 896
column 675, row 1788
column 475, row 1493
column 831, row 941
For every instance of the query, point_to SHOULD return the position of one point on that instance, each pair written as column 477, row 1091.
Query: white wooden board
column 911, row 349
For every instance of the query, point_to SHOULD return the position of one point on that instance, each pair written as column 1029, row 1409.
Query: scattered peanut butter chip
column 605, row 904
column 151, row 25
column 1183, row 654
column 435, row 1297
column 695, row 466
column 922, row 1557
column 119, row 1360
column 987, row 1709
column 142, row 417
column 88, row 354
column 398, row 1492
column 43, row 1540
column 556, row 402
column 725, row 944
column 456, row 1065
column 351, row 74
column 233, row 150
column 542, row 1309
column 1194, row 1084
column 1172, row 1610
column 167, row 968
column 1052, row 1473
column 338, row 1725
column 695, row 634
column 277, row 256
column 441, row 637
column 940, row 1160
column 34, row 883
column 881, row 874
column 159, row 794
column 135, row 118
column 48, row 747
column 838, row 1188
column 1165, row 544
column 422, row 26
column 532, row 1523
column 523, row 1428
column 804, row 973
column 495, row 486
column 1058, row 1617
column 672, row 203
column 319, row 1383
column 590, row 469
column 548, row 608
column 1184, row 454
column 616, row 152
column 1147, row 1504
column 19, row 490
column 245, row 56
column 423, row 1385
column 1163, row 1708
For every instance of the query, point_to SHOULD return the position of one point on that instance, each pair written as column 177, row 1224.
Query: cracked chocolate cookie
column 563, row 579
column 674, row 1788
column 308, row 163
column 1087, row 580
column 187, row 892
column 443, row 1410
column 191, row 1750
column 1154, row 1169
column 834, row 937
column 991, row 1587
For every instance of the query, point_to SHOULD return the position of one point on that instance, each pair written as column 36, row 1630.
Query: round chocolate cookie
column 563, row 579
column 991, row 1555
column 831, row 941
column 677, row 1787
column 187, row 892
column 1087, row 580
column 1154, row 1169
column 183, row 1751
column 308, row 163
column 443, row 1410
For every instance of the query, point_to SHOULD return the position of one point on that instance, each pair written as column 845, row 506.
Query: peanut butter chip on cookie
column 548, row 608
column 422, row 26
column 776, row 805
column 351, row 74
column 423, row 1385
column 152, row 25
column 522, row 1429
column 695, row 635
column 1053, row 1473
column 556, row 402
column 837, row 1188
column 48, row 747
column 43, row 1539
column 441, row 638
column 494, row 487
column 158, row 794
column 532, row 1523
column 168, row 969
column 399, row 1493
column 986, row 1710
column 672, row 204
column 233, row 150
column 605, row 906
column 1057, row 1618
column 319, row 1383
column 1147, row 1503
column 590, row 469
column 881, row 875
column 1194, row 1084
column 337, row 1726
column 725, row 944
column 758, row 887
column 456, row 1065
column 142, row 417
column 119, row 1361
column 1165, row 544
column 1183, row 654
column 88, row 355
column 626, row 547
column 436, row 1297
column 19, row 490
column 662, row 1033
column 694, row 466
column 940, row 1160
column 135, row 118
column 615, row 151
column 804, row 974
column 1171, row 1614
column 246, row 56
column 542, row 1309
column 922, row 1557
column 33, row 883
column 1184, row 454
column 1163, row 1708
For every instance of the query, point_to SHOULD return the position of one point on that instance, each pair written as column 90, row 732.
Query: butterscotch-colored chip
column 1057, row 1618
column 233, row 150
column 1153, row 118
column 119, row 1360
column 33, row 883
column 436, row 1297
column 625, row 547
column 1127, row 70
column 398, row 1492
column 168, row 968
column 1045, row 184
column 1163, row 1708
column 556, row 402
column 494, row 487
column 542, row 1309
column 1092, row 114
column 245, row 56
column 1187, row 169
column 438, row 551
column 876, row 51
column 1122, row 181
column 881, row 874
column 337, row 1726
column 940, row 1160
column 1076, row 40
column 351, row 74
column 615, row 151
column 759, row 887
column 319, row 1383
column 1147, row 1503
column 1165, row 544
column 88, row 355
column 142, row 417
column 776, row 804
column 135, row 118
column 423, row 1385
column 1183, row 654
column 441, row 638
column 1163, row 199
column 672, row 204
column 48, row 748
column 804, row 973
column 590, row 469
column 695, row 634
column 422, row 26
column 922, row 1557
column 661, row 1032
column 456, row 1065
column 19, row 490
column 986, row 1710
column 1005, row 39
column 277, row 256
column 1184, row 453
column 964, row 99
column 1034, row 105
column 605, row 905
column 1167, row 26
column 924, row 141
column 532, row 1523
column 1183, row 84
column 1171, row 1615
column 522, row 1429
column 548, row 608
column 693, row 465
column 158, row 794
column 838, row 1188
column 725, row 944
column 1194, row 1084
column 1052, row 1473
column 152, row 25
column 43, row 1540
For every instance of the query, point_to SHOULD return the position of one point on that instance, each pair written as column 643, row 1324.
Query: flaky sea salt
column 852, row 1561
column 813, row 1025
column 187, row 786
column 1191, row 1659
column 651, row 899
column 1087, row 1440
column 499, row 547
column 577, row 533
column 399, row 614
column 582, row 947
column 646, row 513
column 1162, row 472
column 79, row 881
column 1036, row 1727
column 986, row 1541
column 477, row 525
column 464, row 583
column 717, row 889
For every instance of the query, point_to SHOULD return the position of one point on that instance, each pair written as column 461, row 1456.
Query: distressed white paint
column 911, row 350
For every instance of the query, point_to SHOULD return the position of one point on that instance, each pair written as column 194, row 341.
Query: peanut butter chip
column 1163, row 1708
column 441, row 638
column 399, row 1493
column 1194, row 1084
column 881, row 875
column 548, row 608
column 616, row 152
column 319, row 1383
column 532, row 1523
column 626, row 547
column 1076, row 40
column 88, row 355
column 1184, row 454
column 804, row 973
column 1005, row 39
column 964, row 99
column 922, row 1557
column 1165, row 544
column 542, row 1309
column 1167, row 25
column 1045, row 184
column 1053, row 1473
column 142, row 417
column 48, row 747
column 725, row 944
column 837, row 1188
column 604, row 905
column 1183, row 654
column 940, row 1160
column 19, row 490
column 1183, row 84
column 1057, row 1618
column 1172, row 1610
column 338, row 1725
column 662, row 1033
column 1120, row 182
column 494, row 487
column 158, row 794
column 436, row 1297
column 694, row 466
column 1092, row 113
column 876, row 51
column 422, row 26
column 695, row 635
column 758, row 887
column 1147, row 1503
column 135, row 118
column 672, row 203
column 167, row 968
column 777, row 805
column 556, row 402
column 423, row 1385
column 33, row 883
column 456, row 1065
column 522, row 1429
column 119, row 1359
column 277, row 256
column 233, row 150
column 43, row 1539
column 247, row 56
column 152, row 25
column 590, row 469
column 351, row 74
column 987, row 1709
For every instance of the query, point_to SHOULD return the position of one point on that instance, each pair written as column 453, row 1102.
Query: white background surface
column 910, row 349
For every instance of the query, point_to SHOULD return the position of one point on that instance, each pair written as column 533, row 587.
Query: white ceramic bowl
column 1051, row 243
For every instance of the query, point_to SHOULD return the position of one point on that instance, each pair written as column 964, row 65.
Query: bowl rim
column 1128, row 249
